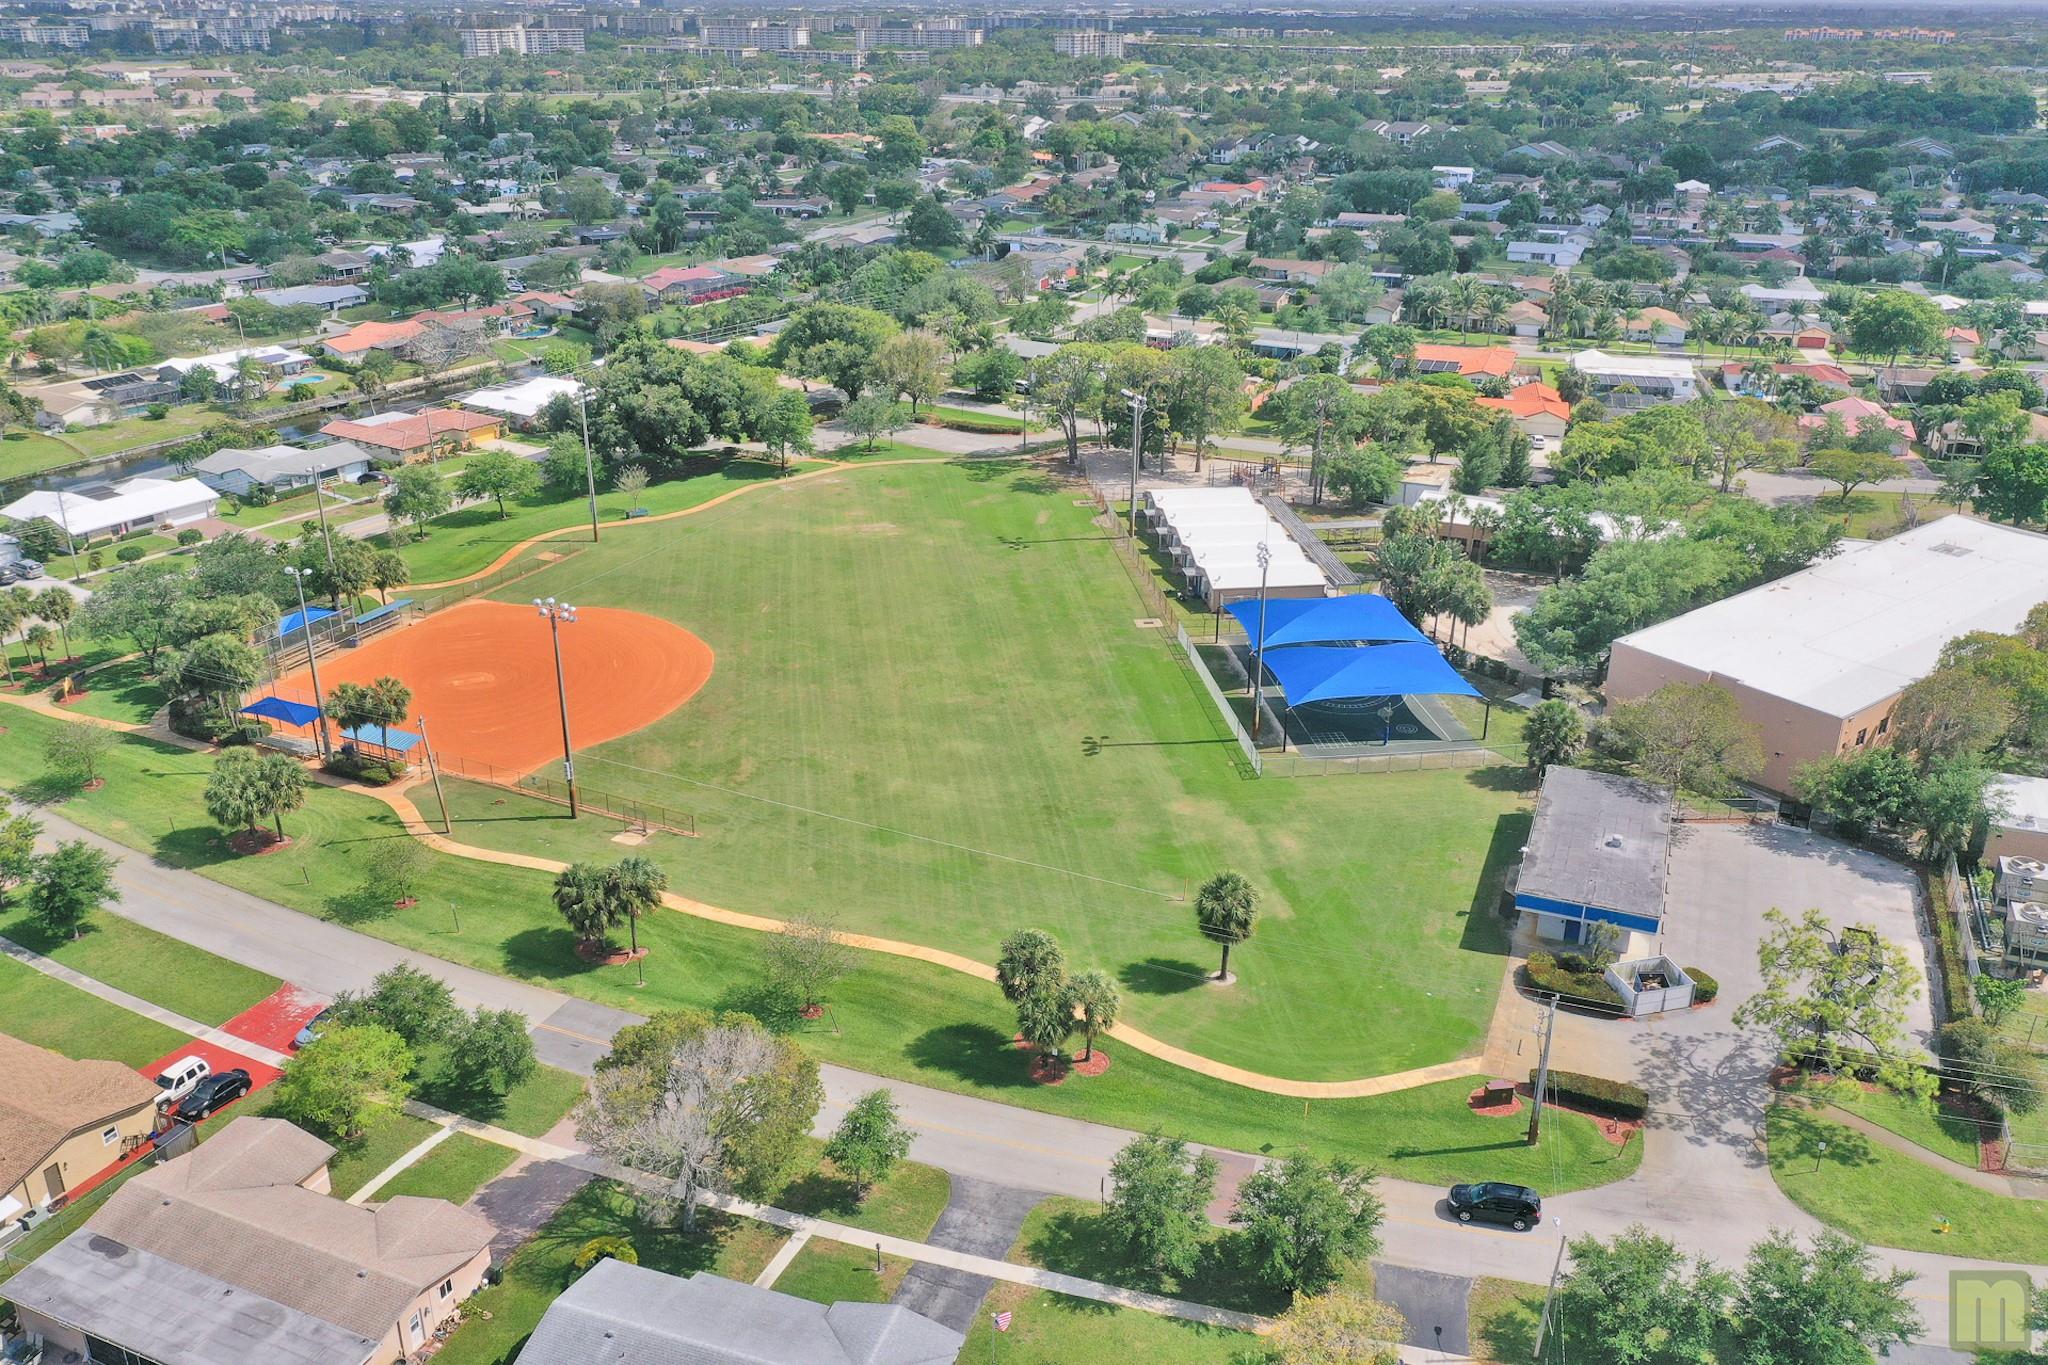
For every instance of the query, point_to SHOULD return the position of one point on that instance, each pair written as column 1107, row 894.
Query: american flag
column 1002, row 1322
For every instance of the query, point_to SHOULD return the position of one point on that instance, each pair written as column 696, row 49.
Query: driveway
column 1707, row 1079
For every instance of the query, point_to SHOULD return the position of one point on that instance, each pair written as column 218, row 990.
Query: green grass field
column 357, row 1163
column 1939, row 1131
column 1053, row 1329
column 123, row 691
column 834, row 1272
column 45, row 1011
column 894, row 1017
column 148, row 964
column 932, row 710
column 469, row 538
column 531, row 1107
column 456, row 1169
column 1888, row 1199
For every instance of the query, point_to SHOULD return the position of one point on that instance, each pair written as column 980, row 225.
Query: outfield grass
column 894, row 1017
column 468, row 539
column 1888, row 1199
column 456, row 1169
column 148, row 964
column 535, row 1277
column 932, row 711
column 45, row 1011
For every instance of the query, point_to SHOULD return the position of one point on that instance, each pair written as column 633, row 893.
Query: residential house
column 1474, row 362
column 399, row 437
column 1147, row 233
column 1659, row 326
column 236, row 1251
column 281, row 361
column 1544, row 151
column 1637, row 381
column 1539, row 411
column 63, row 1123
column 101, row 509
column 793, row 206
column 103, row 398
column 520, row 404
column 1291, row 271
column 1737, row 377
column 691, row 284
column 548, row 305
column 328, row 298
column 617, row 1312
column 278, row 469
column 1403, row 132
column 1963, row 342
column 1859, row 415
column 365, row 337
column 343, row 266
column 1559, row 255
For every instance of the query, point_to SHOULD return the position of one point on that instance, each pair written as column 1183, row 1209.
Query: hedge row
column 1573, row 978
column 1597, row 1094
column 985, row 426
column 1704, row 987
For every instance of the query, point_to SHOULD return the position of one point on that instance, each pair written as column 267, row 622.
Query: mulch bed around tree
column 1617, row 1132
column 1053, row 1070
column 1091, row 1066
column 74, row 696
column 601, row 958
column 255, row 842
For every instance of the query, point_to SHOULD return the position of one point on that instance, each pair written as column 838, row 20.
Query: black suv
column 1516, row 1205
column 215, row 1092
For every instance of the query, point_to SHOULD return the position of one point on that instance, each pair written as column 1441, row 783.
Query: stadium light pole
column 1138, row 406
column 1259, row 648
column 557, row 614
column 325, row 741
column 589, row 469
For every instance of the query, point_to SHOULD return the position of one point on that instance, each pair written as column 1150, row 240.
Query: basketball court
column 482, row 676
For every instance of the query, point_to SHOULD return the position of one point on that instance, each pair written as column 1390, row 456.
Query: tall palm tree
column 583, row 896
column 1461, row 296
column 1226, row 911
column 1493, row 310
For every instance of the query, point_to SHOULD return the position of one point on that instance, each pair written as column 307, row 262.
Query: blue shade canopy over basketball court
column 1360, row 619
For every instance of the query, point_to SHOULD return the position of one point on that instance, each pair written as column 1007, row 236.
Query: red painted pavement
column 220, row 1059
column 276, row 1020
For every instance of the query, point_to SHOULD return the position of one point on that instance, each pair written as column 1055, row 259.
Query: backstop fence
column 632, row 812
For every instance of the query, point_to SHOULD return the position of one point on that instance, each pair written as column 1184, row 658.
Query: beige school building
column 1818, row 658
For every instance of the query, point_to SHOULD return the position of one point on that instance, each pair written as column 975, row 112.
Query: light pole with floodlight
column 299, row 577
column 589, row 469
column 1259, row 647
column 558, row 614
column 1138, row 406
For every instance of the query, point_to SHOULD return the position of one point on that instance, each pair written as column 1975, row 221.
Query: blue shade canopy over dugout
column 1394, row 670
column 299, row 620
column 1362, row 618
column 277, row 708
column 381, row 737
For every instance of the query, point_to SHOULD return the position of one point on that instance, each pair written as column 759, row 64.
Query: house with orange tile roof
column 402, row 436
column 1538, row 409
column 365, row 337
column 1482, row 362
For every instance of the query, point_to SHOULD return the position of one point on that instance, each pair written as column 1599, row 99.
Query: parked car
column 215, row 1092
column 30, row 568
column 180, row 1079
column 312, row 1029
column 1518, row 1206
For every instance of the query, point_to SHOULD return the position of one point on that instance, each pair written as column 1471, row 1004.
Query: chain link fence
column 632, row 812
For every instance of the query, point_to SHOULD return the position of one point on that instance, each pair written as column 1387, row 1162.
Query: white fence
column 1223, row 707
column 1650, row 985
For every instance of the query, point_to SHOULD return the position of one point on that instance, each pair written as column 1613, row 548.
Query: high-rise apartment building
column 1088, row 43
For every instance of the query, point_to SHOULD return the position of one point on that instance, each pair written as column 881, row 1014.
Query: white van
column 179, row 1079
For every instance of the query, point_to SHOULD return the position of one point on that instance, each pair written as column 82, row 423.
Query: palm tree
column 369, row 383
column 636, row 884
column 39, row 638
column 1094, row 997
column 583, row 895
column 1226, row 911
column 1493, row 310
column 57, row 606
column 10, row 617
column 251, row 377
column 1461, row 296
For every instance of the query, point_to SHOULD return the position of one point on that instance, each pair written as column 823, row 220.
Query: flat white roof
column 1650, row 366
column 1848, row 632
column 2025, row 800
column 88, row 511
column 520, row 400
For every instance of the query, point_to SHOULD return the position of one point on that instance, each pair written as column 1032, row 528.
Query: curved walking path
column 398, row 798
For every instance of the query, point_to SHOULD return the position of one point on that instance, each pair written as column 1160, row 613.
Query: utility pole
column 1550, row 1295
column 557, row 613
column 325, row 740
column 589, row 469
column 1542, row 1074
column 428, row 744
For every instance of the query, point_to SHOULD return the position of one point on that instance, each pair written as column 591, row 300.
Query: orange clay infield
column 483, row 677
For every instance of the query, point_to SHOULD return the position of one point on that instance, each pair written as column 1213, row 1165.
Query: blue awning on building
column 1361, row 618
column 1313, row 674
column 277, row 708
column 299, row 620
